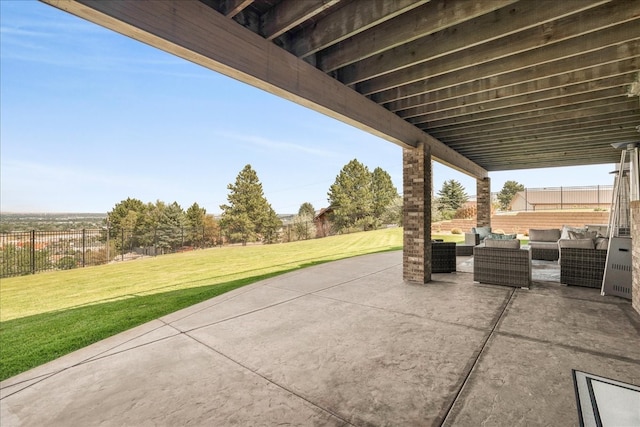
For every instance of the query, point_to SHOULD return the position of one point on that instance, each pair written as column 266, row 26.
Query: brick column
column 635, row 255
column 416, row 163
column 483, row 194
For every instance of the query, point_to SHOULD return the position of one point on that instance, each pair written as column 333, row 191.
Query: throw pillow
column 565, row 231
column 575, row 243
column 497, row 236
column 602, row 243
column 482, row 232
column 573, row 235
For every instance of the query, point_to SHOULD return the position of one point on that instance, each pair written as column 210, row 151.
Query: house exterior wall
column 417, row 178
column 535, row 199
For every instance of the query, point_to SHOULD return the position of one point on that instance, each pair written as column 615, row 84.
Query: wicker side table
column 443, row 257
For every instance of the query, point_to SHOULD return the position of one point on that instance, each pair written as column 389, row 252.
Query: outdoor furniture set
column 499, row 259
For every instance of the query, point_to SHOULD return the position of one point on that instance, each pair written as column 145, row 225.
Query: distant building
column 536, row 199
column 322, row 223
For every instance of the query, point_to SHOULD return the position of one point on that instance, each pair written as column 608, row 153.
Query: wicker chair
column 443, row 257
column 502, row 266
column 582, row 267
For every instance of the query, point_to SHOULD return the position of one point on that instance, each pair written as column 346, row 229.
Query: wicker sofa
column 544, row 243
column 502, row 262
column 582, row 262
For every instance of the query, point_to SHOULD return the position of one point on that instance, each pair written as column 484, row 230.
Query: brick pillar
column 416, row 163
column 483, row 192
column 635, row 255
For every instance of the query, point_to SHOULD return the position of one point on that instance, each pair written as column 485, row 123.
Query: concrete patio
column 344, row 343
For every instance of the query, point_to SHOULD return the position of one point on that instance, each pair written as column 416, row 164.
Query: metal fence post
column 32, row 255
column 84, row 246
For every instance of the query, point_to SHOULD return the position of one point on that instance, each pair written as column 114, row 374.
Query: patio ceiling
column 490, row 84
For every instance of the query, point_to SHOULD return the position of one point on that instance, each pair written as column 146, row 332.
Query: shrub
column 456, row 231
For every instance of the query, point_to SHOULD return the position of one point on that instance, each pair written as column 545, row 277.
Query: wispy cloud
column 73, row 43
column 272, row 144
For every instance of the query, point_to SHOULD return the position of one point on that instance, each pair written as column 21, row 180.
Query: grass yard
column 47, row 315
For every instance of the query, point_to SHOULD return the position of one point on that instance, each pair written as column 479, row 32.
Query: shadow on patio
column 344, row 343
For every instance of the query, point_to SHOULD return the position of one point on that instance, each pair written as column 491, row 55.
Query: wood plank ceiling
column 508, row 84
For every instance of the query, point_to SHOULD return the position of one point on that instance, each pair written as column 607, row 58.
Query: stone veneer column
column 483, row 194
column 635, row 255
column 416, row 167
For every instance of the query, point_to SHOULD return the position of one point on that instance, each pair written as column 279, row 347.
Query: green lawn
column 47, row 315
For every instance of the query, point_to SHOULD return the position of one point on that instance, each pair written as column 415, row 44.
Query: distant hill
column 25, row 221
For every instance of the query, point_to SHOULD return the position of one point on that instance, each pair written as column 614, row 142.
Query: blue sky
column 89, row 117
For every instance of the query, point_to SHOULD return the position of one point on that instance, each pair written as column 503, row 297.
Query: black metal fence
column 29, row 252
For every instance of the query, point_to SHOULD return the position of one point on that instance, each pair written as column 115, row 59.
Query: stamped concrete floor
column 344, row 343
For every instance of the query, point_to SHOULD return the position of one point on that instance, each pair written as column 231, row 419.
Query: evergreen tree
column 384, row 193
column 307, row 209
column 351, row 198
column 248, row 216
column 125, row 221
column 303, row 225
column 194, row 221
column 452, row 196
column 509, row 190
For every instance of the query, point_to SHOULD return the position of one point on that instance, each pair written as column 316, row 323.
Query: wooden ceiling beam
column 290, row 13
column 515, row 145
column 347, row 21
column 194, row 31
column 533, row 154
column 541, row 107
column 231, row 8
column 430, row 18
column 477, row 92
column 493, row 26
column 572, row 54
column 491, row 100
column 557, row 162
column 532, row 163
column 612, row 122
column 495, row 125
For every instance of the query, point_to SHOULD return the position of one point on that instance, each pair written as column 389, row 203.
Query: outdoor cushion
column 576, row 243
column 565, row 231
column 573, row 235
column 548, row 235
column 497, row 236
column 482, row 232
column 602, row 243
column 543, row 245
column 502, row 243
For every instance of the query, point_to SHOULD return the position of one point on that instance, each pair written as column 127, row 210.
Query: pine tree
column 452, row 195
column 509, row 190
column 194, row 221
column 307, row 209
column 248, row 216
column 351, row 198
column 384, row 193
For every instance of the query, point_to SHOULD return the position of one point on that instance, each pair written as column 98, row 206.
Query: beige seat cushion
column 548, row 235
column 576, row 243
column 502, row 243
